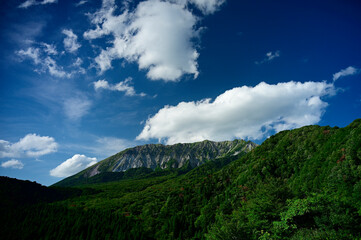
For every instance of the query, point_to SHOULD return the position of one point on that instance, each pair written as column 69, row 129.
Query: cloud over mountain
column 73, row 165
column 242, row 112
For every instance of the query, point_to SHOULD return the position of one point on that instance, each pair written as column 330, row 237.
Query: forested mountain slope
column 299, row 184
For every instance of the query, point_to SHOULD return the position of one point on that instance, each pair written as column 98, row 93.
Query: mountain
column 298, row 184
column 157, row 156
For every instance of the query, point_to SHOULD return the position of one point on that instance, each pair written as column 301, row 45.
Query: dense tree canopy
column 299, row 184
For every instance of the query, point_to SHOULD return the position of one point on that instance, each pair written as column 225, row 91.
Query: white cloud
column 345, row 72
column 54, row 69
column 32, row 53
column 121, row 87
column 162, row 43
column 45, row 63
column 50, row 49
column 30, row 3
column 76, row 107
column 71, row 41
column 157, row 35
column 269, row 57
column 31, row 145
column 13, row 163
column 77, row 64
column 207, row 6
column 73, row 165
column 101, row 84
column 81, row 3
column 243, row 112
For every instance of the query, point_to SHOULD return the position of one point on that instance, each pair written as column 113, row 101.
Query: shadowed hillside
column 299, row 184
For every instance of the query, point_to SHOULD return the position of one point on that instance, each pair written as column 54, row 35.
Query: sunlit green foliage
column 299, row 184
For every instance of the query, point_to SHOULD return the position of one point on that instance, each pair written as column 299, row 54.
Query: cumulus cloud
column 73, row 165
column 30, row 3
column 162, row 40
column 31, row 145
column 345, row 72
column 70, row 41
column 158, row 35
column 269, row 57
column 242, row 112
column 76, row 107
column 123, row 86
column 13, row 163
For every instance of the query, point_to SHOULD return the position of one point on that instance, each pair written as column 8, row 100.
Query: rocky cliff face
column 164, row 156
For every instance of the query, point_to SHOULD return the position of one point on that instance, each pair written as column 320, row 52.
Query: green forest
column 298, row 184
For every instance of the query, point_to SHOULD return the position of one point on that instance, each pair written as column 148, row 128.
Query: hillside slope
column 299, row 184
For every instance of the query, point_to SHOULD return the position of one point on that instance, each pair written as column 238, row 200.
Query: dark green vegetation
column 299, row 184
column 156, row 157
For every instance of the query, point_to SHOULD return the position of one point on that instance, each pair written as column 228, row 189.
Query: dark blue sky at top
column 309, row 41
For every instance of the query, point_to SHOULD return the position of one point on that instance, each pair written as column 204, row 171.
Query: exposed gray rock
column 158, row 155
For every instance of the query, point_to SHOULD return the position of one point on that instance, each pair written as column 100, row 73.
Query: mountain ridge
column 159, row 156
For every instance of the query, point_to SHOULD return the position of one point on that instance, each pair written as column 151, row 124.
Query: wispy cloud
column 269, row 57
column 82, row 2
column 54, row 69
column 60, row 97
column 123, row 86
column 32, row 53
column 78, row 66
column 46, row 62
column 71, row 41
column 32, row 145
column 73, row 165
column 13, row 163
column 102, row 147
column 346, row 72
column 110, row 145
column 30, row 3
column 243, row 112
column 24, row 34
column 50, row 49
column 76, row 107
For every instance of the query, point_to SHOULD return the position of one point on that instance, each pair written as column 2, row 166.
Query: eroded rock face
column 175, row 156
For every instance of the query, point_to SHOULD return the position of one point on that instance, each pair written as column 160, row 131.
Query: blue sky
column 82, row 80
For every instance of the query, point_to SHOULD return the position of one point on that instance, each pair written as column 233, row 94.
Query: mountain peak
column 154, row 156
